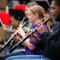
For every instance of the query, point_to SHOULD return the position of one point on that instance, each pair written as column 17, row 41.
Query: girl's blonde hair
column 31, row 4
column 37, row 9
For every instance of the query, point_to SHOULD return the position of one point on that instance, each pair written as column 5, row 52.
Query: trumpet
column 22, row 40
column 9, row 40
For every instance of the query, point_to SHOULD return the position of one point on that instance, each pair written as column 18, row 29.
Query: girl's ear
column 36, row 15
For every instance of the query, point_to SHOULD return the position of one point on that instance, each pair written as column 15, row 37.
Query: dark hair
column 57, row 2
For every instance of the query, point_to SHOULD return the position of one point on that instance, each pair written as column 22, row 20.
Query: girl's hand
column 16, row 38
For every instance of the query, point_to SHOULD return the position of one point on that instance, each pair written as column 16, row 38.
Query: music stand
column 18, row 14
column 1, row 24
column 44, row 3
column 24, row 1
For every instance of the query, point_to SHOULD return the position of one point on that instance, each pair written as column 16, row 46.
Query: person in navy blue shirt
column 52, row 40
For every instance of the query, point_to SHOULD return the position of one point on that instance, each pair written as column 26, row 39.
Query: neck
column 38, row 20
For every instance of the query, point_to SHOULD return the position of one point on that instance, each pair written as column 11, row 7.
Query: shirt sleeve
column 52, row 41
column 32, row 42
column 44, row 37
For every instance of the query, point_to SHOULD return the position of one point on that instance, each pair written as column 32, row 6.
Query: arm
column 44, row 37
column 51, row 40
column 27, row 41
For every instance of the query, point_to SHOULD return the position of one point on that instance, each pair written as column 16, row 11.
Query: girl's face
column 26, row 10
column 32, row 17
